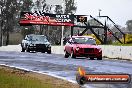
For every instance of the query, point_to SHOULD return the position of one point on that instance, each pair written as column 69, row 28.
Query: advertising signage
column 28, row 18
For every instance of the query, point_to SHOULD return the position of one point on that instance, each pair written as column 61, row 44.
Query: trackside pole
column 62, row 36
column 63, row 5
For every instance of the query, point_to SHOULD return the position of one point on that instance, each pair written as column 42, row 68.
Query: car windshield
column 84, row 40
column 38, row 38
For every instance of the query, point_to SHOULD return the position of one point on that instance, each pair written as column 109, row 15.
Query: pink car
column 82, row 46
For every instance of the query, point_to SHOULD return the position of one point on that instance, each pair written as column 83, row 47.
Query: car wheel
column 66, row 54
column 99, row 58
column 73, row 55
column 91, row 58
column 23, row 50
column 27, row 50
column 49, row 51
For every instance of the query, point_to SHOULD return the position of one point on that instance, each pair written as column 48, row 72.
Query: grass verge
column 16, row 78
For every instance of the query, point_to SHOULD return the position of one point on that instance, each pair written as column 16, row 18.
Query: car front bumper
column 39, row 47
column 86, row 53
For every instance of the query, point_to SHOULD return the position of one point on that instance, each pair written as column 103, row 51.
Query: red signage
column 28, row 18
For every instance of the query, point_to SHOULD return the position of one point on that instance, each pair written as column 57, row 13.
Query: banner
column 82, row 78
column 28, row 18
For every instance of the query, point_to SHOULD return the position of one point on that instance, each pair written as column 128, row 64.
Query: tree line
column 10, row 16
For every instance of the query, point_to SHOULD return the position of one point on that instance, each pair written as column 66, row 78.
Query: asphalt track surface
column 66, row 68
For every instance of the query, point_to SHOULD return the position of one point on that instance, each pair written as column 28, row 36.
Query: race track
column 66, row 68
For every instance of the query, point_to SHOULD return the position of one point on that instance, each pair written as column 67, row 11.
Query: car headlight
column 100, row 50
column 77, row 49
column 32, row 45
column 97, row 49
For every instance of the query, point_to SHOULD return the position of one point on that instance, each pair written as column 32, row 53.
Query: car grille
column 40, row 46
column 88, row 50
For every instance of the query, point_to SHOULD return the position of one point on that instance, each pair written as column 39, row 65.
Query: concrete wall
column 11, row 48
column 122, row 52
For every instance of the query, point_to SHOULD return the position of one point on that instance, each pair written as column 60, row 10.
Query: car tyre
column 91, row 58
column 23, row 50
column 49, row 51
column 73, row 55
column 99, row 58
column 27, row 50
column 66, row 54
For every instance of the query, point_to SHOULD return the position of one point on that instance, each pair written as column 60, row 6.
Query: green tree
column 129, row 25
column 10, row 14
column 70, row 8
column 38, row 6
column 27, row 30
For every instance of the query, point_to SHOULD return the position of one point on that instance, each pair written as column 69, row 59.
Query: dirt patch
column 57, row 83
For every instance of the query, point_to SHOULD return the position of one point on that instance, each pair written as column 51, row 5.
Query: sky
column 118, row 10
